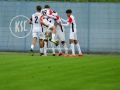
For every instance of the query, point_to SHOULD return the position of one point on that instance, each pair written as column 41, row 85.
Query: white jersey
column 46, row 12
column 35, row 18
column 72, row 22
column 54, row 20
column 44, row 17
column 60, row 28
column 51, row 20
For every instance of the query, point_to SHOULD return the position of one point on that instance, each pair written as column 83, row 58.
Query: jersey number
column 36, row 19
column 44, row 12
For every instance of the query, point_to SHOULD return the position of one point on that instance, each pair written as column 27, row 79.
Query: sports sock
column 32, row 46
column 53, row 36
column 45, row 47
column 78, row 47
column 41, row 50
column 72, row 47
column 65, row 47
column 53, row 50
column 52, row 46
column 59, row 49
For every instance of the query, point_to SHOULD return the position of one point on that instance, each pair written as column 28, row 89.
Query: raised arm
column 41, row 21
column 63, row 20
column 66, row 24
column 68, row 21
column 53, row 16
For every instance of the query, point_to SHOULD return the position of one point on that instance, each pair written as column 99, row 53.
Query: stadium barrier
column 66, row 0
column 98, row 25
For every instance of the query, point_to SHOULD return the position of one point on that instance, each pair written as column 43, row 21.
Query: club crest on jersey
column 19, row 26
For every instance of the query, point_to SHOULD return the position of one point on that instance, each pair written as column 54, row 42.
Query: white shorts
column 60, row 36
column 73, row 36
column 36, row 29
column 39, row 35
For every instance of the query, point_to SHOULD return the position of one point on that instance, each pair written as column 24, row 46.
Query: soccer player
column 44, row 21
column 51, row 20
column 73, row 31
column 37, row 31
column 60, row 35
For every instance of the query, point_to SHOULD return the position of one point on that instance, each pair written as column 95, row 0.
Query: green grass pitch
column 19, row 71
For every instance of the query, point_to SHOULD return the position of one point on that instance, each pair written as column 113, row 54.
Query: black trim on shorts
column 61, row 28
column 72, row 27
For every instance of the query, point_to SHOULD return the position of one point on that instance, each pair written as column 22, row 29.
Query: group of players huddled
column 48, row 26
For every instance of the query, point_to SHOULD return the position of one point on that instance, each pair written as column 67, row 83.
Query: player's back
column 46, row 11
column 36, row 20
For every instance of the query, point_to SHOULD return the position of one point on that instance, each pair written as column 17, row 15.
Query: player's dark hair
column 69, row 11
column 38, row 8
column 46, row 6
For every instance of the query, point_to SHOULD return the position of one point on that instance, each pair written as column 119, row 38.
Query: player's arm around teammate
column 47, row 11
column 44, row 21
column 60, row 34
